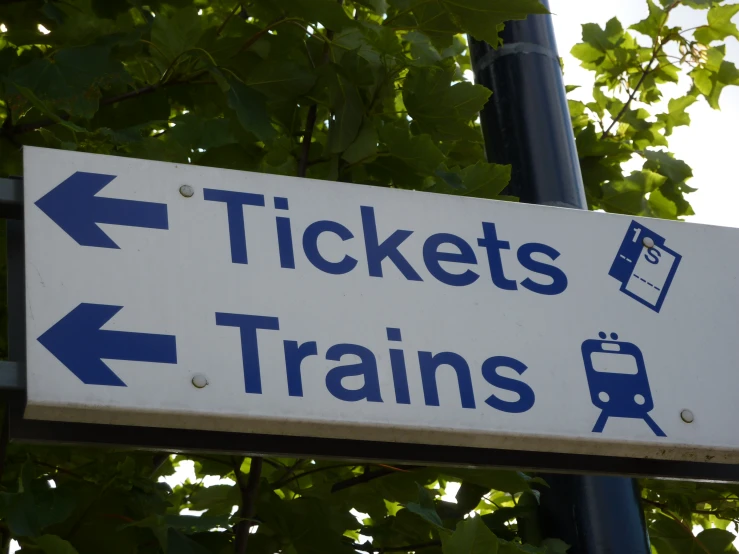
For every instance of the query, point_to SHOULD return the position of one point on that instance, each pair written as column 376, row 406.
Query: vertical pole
column 526, row 124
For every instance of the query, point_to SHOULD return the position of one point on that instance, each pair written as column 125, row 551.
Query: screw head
column 199, row 380
column 648, row 242
column 687, row 416
column 187, row 191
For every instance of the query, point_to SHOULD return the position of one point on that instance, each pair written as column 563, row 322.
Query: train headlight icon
column 618, row 382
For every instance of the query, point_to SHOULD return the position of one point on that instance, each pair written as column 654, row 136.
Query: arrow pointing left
column 78, row 341
column 74, row 206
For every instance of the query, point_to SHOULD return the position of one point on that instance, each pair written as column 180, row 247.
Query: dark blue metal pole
column 526, row 124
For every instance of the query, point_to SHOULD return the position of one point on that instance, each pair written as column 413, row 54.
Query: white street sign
column 259, row 303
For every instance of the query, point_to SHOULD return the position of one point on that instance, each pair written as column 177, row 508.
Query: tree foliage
column 360, row 91
column 630, row 119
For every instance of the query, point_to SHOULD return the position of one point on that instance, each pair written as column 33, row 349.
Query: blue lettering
column 310, row 245
column 493, row 246
column 285, row 243
column 367, row 368
column 235, row 202
column 294, row 355
column 248, row 325
column 432, row 257
column 429, row 364
column 397, row 366
column 653, row 255
column 284, row 236
column 559, row 279
column 377, row 252
column 526, row 395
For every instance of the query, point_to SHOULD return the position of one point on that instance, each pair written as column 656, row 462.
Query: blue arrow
column 78, row 342
column 74, row 207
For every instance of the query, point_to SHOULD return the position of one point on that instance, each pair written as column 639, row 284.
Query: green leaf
column 719, row 25
column 496, row 479
column 194, row 524
column 483, row 18
column 651, row 25
column 347, row 120
column 71, row 79
column 676, row 115
column 602, row 39
column 52, row 544
column 418, row 152
column 440, row 108
column 717, row 541
column 29, row 512
column 425, row 507
column 662, row 206
column 661, row 162
column 364, row 147
column 378, row 6
column 178, row 543
column 251, row 110
column 434, row 20
column 280, row 79
column 481, row 180
column 109, row 8
column 471, row 536
column 587, row 53
column 671, row 537
column 175, row 35
column 555, row 546
column 698, row 4
column 328, row 13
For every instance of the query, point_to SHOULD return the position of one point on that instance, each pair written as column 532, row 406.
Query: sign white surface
column 333, row 310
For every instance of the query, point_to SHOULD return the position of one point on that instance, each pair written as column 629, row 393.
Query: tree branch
column 158, row 461
column 626, row 106
column 249, row 491
column 367, row 477
column 58, row 469
column 228, row 18
column 310, row 123
column 309, row 472
column 288, row 474
column 310, row 120
column 259, row 34
column 26, row 127
column 149, row 88
column 646, row 71
column 662, row 506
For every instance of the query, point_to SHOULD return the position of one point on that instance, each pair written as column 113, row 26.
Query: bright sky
column 709, row 144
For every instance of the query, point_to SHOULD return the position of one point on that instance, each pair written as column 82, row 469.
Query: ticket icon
column 644, row 266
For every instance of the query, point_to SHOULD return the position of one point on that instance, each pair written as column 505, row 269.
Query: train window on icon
column 607, row 362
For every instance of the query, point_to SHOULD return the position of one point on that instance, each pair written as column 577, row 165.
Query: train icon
column 617, row 378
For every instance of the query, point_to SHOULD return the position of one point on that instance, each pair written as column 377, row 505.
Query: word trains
column 366, row 368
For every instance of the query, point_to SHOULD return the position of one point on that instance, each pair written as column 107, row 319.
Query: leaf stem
column 228, row 18
column 310, row 123
column 367, row 477
column 309, row 472
column 663, row 508
column 310, row 119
